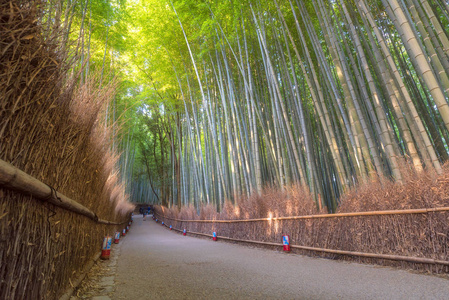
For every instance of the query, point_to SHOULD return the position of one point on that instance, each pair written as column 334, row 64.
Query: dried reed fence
column 396, row 223
column 50, row 129
column 15, row 179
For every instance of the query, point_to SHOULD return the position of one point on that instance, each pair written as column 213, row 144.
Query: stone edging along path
column 99, row 283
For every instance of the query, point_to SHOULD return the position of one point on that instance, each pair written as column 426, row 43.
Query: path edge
column 80, row 278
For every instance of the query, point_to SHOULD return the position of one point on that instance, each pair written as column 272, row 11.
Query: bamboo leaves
column 318, row 93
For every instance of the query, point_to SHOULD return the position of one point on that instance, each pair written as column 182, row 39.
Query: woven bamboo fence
column 49, row 129
column 405, row 226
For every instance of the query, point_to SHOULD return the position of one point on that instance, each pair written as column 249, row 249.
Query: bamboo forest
column 217, row 100
column 214, row 149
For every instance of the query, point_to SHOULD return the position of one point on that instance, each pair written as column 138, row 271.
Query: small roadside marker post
column 106, row 250
column 162, row 223
column 184, row 232
column 170, row 227
column 286, row 243
column 124, row 232
column 117, row 237
column 214, row 236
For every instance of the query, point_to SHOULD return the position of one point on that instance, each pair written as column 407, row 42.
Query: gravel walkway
column 155, row 263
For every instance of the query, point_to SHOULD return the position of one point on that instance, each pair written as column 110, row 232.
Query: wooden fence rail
column 411, row 259
column 15, row 179
column 351, row 214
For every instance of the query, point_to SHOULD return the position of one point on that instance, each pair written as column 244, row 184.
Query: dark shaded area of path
column 156, row 263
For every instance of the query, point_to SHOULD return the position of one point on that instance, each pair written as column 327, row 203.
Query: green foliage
column 189, row 60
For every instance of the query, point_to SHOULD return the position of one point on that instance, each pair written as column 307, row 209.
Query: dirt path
column 155, row 263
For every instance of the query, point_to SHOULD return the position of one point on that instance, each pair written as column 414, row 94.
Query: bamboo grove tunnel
column 251, row 149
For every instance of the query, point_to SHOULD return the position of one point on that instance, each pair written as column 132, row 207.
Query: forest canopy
column 219, row 99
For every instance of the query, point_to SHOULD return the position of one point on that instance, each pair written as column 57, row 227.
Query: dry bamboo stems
column 352, row 214
column 50, row 129
column 13, row 178
column 412, row 259
column 68, row 294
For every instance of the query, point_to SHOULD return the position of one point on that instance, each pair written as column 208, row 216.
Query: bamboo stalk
column 351, row 214
column 13, row 178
